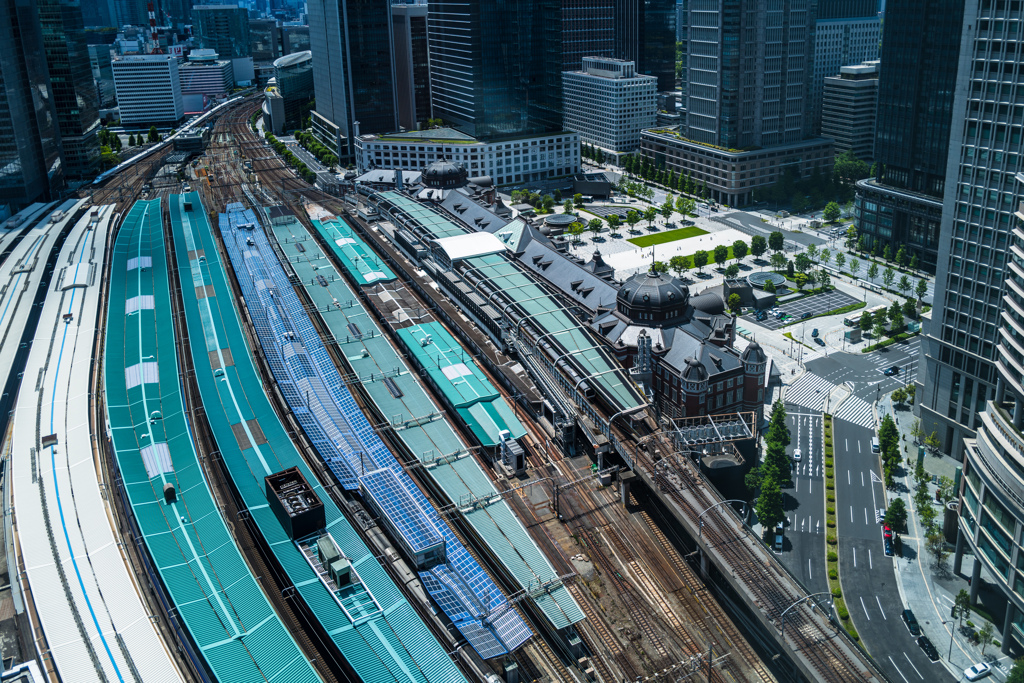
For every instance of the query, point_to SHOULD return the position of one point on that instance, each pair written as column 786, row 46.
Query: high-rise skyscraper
column 588, row 30
column 74, row 92
column 495, row 68
column 958, row 374
column 353, row 70
column 902, row 204
column 843, row 37
column 645, row 33
column 30, row 152
column 412, row 67
column 223, row 28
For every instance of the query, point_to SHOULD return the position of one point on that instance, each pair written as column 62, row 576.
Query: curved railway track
column 810, row 636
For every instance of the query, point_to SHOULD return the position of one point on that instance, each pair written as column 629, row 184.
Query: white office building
column 608, row 104
column 839, row 43
column 205, row 74
column 148, row 90
column 507, row 162
column 848, row 110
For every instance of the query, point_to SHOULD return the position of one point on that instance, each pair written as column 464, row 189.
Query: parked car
column 977, row 671
column 888, row 547
column 778, row 542
column 892, row 370
column 928, row 648
column 805, row 315
column 911, row 621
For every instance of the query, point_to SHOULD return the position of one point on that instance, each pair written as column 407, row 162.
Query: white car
column 977, row 671
column 796, row 454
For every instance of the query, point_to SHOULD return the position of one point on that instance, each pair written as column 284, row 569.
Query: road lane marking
column 864, row 607
column 847, row 442
column 796, row 484
column 854, row 558
column 809, row 576
column 811, row 485
column 848, row 483
column 878, row 600
column 898, row 669
column 861, row 478
column 870, row 563
column 912, row 666
column 866, row 517
column 858, row 446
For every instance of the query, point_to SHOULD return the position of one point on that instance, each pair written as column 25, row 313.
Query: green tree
column 985, row 636
column 932, row 441
column 577, row 199
column 1016, row 672
column 962, row 607
column 873, row 271
column 878, row 331
column 812, row 252
column 854, row 265
column 899, row 396
column 753, row 479
column 888, row 276
column 659, row 267
column 851, row 237
column 802, row 262
column 887, row 253
column 840, row 260
column 831, row 212
column 758, row 245
column 823, row 278
column 668, row 208
column 679, row 264
column 776, row 241
column 575, row 229
column 777, row 429
column 567, row 207
column 739, row 250
column 632, row 218
column 684, row 206
column 558, row 195
column 825, row 256
column 769, row 504
column 721, row 254
column 700, row 259
column 595, row 226
column 901, row 257
column 789, row 269
column 848, row 169
column 153, row 135
column 732, row 271
column 909, row 309
column 922, row 289
column 547, row 204
column 650, row 213
column 734, row 303
column 131, row 140
column 769, row 287
column 613, row 222
column 896, row 515
column 913, row 262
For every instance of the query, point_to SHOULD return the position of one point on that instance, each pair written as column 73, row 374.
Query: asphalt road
column 865, row 371
column 868, row 576
column 804, row 547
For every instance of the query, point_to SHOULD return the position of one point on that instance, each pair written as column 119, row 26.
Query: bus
column 853, row 320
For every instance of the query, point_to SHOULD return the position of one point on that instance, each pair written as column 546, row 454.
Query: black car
column 928, row 648
column 806, row 315
column 893, row 370
column 819, row 341
column 911, row 621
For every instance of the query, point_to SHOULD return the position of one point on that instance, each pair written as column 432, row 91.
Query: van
column 874, row 445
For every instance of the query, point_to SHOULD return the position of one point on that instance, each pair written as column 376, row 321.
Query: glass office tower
column 902, row 204
column 645, row 33
column 958, row 373
column 495, row 68
column 74, row 92
column 30, row 152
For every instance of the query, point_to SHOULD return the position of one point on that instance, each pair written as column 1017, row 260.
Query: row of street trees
column 642, row 167
column 773, row 473
column 826, row 256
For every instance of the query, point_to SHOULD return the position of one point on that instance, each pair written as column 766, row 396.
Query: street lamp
column 782, row 630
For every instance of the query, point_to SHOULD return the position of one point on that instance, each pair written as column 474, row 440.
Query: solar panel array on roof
column 328, row 408
column 430, row 438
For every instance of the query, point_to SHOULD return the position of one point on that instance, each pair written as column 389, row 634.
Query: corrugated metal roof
column 230, row 619
column 359, row 260
column 426, row 434
column 394, row 646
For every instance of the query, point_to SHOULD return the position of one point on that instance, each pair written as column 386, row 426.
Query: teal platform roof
column 387, row 644
column 230, row 620
column 348, row 248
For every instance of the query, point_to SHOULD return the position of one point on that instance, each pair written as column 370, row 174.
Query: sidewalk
column 929, row 590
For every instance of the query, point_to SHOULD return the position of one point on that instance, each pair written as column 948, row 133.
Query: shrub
column 831, row 498
column 832, row 557
column 837, row 592
column 830, row 486
column 828, row 462
column 833, row 574
column 853, row 632
column 831, row 523
column 831, row 538
column 841, row 610
column 830, row 510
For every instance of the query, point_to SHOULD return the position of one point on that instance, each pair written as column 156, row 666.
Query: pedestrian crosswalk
column 856, row 410
column 809, row 390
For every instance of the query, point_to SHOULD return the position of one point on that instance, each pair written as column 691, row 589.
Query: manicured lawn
column 668, row 236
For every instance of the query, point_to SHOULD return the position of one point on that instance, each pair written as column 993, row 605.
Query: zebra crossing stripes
column 809, row 391
column 856, row 410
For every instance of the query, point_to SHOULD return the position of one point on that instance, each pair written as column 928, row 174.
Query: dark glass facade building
column 645, row 33
column 843, row 9
column 74, row 92
column 353, row 70
column 224, row 28
column 412, row 68
column 902, row 204
column 496, row 68
column 30, row 153
column 588, row 30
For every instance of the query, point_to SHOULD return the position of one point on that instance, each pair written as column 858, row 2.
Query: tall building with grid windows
column 992, row 495
column 838, row 42
column 645, row 33
column 902, row 204
column 959, row 350
column 588, row 30
column 30, row 152
column 353, row 71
